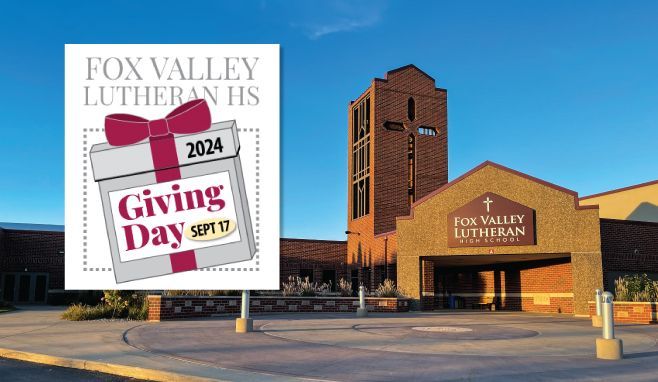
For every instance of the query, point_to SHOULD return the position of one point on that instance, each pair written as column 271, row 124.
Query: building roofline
column 630, row 222
column 9, row 226
column 622, row 189
column 401, row 68
column 385, row 79
column 503, row 168
column 313, row 240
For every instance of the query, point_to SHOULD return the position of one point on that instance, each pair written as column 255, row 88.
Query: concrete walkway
column 39, row 329
column 496, row 346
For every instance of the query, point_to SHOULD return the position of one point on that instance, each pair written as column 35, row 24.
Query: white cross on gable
column 487, row 202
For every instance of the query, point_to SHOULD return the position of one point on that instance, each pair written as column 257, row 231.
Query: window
column 411, row 108
column 411, row 161
column 361, row 159
column 394, row 126
column 426, row 130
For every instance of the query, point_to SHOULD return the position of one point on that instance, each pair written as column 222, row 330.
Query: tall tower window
column 411, row 160
column 411, row 108
column 361, row 159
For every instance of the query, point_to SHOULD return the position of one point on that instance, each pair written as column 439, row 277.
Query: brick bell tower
column 397, row 153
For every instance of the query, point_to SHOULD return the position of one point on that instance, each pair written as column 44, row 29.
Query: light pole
column 385, row 257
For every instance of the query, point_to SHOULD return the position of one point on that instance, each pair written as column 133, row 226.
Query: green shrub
column 636, row 288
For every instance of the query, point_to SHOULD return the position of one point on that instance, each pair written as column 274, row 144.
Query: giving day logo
column 158, row 195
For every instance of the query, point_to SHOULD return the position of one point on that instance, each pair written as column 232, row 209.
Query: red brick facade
column 317, row 257
column 427, row 287
column 163, row 308
column 401, row 104
column 538, row 286
column 32, row 266
column 391, row 171
column 631, row 312
column 628, row 247
column 36, row 251
column 372, row 245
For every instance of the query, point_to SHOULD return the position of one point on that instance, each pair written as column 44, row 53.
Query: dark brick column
column 427, row 284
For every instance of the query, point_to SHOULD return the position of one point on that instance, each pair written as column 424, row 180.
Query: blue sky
column 565, row 91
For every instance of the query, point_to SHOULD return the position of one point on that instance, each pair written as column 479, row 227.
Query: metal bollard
column 245, row 304
column 608, row 316
column 244, row 324
column 362, row 311
column 608, row 347
column 362, row 297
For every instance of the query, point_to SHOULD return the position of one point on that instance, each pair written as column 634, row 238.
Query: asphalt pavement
column 434, row 346
column 19, row 371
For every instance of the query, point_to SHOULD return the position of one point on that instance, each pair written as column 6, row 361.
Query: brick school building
column 493, row 235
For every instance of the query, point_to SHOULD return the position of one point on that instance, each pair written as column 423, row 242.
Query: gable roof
column 506, row 169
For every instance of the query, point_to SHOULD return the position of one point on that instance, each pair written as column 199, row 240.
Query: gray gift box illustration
column 173, row 193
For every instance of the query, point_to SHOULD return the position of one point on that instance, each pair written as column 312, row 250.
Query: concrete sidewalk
column 486, row 346
column 39, row 330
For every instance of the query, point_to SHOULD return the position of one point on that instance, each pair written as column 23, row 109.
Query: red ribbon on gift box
column 128, row 129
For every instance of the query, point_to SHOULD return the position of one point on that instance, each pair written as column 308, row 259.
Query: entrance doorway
column 25, row 287
column 523, row 282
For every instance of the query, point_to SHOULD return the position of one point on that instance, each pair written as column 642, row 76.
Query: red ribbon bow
column 126, row 129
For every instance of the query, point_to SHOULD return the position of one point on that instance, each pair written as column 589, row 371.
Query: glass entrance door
column 25, row 287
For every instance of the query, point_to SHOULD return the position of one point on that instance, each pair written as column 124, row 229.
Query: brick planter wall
column 163, row 308
column 632, row 312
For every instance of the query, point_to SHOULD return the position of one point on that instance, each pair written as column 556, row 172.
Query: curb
column 101, row 367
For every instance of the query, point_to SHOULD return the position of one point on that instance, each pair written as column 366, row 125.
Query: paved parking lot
column 19, row 371
column 438, row 346
column 416, row 346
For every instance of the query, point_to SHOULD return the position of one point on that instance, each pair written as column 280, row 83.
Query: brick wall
column 427, row 298
column 316, row 255
column 631, row 312
column 389, row 168
column 38, row 251
column 628, row 247
column 163, row 308
column 391, row 147
column 538, row 286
